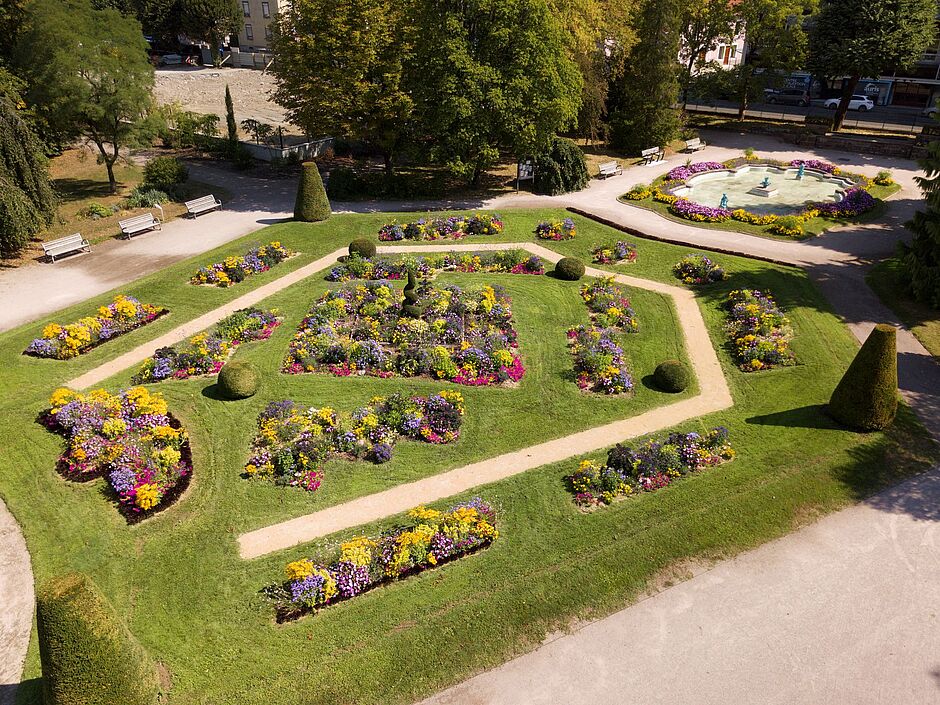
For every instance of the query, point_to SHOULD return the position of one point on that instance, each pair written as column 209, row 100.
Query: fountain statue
column 724, row 201
column 765, row 183
column 799, row 172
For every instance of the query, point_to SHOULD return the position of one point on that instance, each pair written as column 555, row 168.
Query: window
column 248, row 33
column 267, row 32
column 246, row 8
column 265, row 9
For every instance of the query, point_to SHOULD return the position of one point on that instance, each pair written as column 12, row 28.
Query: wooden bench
column 138, row 224
column 64, row 245
column 653, row 155
column 609, row 169
column 202, row 205
column 694, row 145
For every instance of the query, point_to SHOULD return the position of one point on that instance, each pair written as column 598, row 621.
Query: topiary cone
column 88, row 655
column 867, row 396
column 312, row 204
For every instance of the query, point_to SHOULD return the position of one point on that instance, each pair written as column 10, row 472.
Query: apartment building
column 255, row 34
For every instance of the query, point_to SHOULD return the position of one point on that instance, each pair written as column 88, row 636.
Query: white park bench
column 653, row 155
column 694, row 145
column 202, row 205
column 64, row 245
column 138, row 224
column 608, row 169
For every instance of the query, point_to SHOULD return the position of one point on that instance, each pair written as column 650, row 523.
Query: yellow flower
column 146, row 496
column 62, row 396
column 51, row 330
column 357, row 550
column 298, row 570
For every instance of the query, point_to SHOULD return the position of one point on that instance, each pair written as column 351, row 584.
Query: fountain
column 724, row 201
column 765, row 189
column 799, row 172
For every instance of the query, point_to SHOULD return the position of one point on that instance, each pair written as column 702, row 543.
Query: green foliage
column 362, row 247
column 230, row 124
column 19, row 219
column 569, row 268
column 96, row 211
column 311, row 205
column 238, row 380
column 410, row 307
column 867, row 396
column 344, row 184
column 672, row 376
column 164, row 173
column 643, row 115
column 88, row 656
column 210, row 21
column 702, row 25
column 260, row 131
column 145, row 197
column 921, row 259
column 561, row 169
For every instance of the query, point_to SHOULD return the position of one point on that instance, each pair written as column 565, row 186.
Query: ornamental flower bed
column 556, row 230
column 759, row 332
column 855, row 202
column 452, row 228
column 653, row 465
column 599, row 362
column 744, row 216
column 698, row 269
column 681, row 173
column 293, row 443
column 232, row 270
column 609, row 305
column 376, row 268
column 463, row 336
column 432, row 538
column 63, row 342
column 816, row 164
column 690, row 210
column 205, row 353
column 619, row 253
column 128, row 438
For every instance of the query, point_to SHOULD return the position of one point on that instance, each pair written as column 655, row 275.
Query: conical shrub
column 867, row 396
column 312, row 204
column 88, row 656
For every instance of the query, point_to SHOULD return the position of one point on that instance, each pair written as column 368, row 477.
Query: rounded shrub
column 866, row 398
column 88, row 655
column 238, row 380
column 344, row 184
column 672, row 376
column 569, row 268
column 311, row 205
column 362, row 247
column 164, row 173
column 561, row 169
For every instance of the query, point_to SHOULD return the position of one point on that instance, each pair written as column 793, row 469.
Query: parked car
column 929, row 112
column 788, row 96
column 857, row 102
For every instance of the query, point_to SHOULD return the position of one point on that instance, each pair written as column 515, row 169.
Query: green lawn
column 885, row 279
column 195, row 605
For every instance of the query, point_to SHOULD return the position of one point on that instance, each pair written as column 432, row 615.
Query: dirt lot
column 202, row 90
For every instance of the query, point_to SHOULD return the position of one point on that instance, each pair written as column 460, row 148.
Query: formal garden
column 382, row 369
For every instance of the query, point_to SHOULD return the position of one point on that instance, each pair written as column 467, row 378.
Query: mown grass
column 887, row 280
column 195, row 605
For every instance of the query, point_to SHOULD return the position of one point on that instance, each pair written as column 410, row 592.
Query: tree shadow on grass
column 77, row 189
column 811, row 416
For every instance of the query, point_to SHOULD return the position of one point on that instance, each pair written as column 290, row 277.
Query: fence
column 303, row 151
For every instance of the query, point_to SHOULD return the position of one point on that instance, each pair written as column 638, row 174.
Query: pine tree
column 921, row 259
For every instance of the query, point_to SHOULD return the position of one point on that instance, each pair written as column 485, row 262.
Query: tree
column 339, row 71
column 491, row 75
column 857, row 38
column 921, row 259
column 867, row 395
column 644, row 115
column 88, row 76
column 230, row 118
column 210, row 21
column 312, row 204
column 702, row 25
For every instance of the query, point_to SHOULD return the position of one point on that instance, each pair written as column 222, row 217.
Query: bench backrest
column 201, row 201
column 693, row 143
column 605, row 166
column 74, row 238
column 650, row 151
column 146, row 218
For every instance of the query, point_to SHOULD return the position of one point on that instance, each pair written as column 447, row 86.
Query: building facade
column 255, row 34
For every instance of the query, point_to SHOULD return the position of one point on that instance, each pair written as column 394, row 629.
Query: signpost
column 525, row 171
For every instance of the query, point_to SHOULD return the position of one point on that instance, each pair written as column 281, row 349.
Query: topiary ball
column 238, row 380
column 672, row 376
column 569, row 268
column 362, row 247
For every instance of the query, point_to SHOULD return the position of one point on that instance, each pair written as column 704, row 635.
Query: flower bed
column 744, row 216
column 619, row 253
column 232, row 270
column 816, row 164
column 292, row 443
column 361, row 564
column 759, row 332
column 130, row 439
column 465, row 337
column 690, row 210
column 698, row 269
column 452, row 228
column 599, row 362
column 71, row 340
column 855, row 202
column 653, row 465
column 205, row 353
column 609, row 305
column 375, row 268
column 556, row 230
column 681, row 173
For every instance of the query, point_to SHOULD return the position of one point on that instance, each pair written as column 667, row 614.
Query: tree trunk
column 112, row 182
column 389, row 165
column 847, row 91
column 688, row 80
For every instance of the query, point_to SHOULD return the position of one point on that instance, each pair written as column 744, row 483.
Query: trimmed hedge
column 867, row 396
column 311, row 205
column 672, row 376
column 88, row 655
column 362, row 247
column 238, row 380
column 569, row 268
